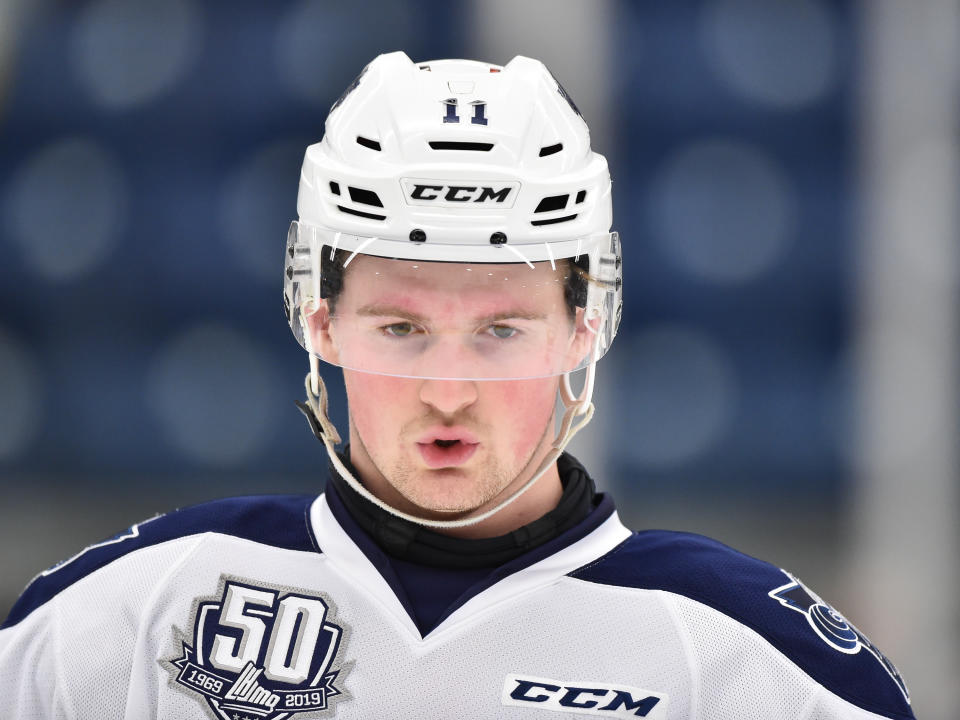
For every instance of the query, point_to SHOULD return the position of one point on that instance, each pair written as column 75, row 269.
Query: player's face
column 438, row 446
column 447, row 446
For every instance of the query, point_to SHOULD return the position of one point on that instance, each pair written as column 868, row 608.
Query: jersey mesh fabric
column 26, row 652
column 641, row 621
column 106, row 640
column 827, row 706
column 87, row 636
column 741, row 674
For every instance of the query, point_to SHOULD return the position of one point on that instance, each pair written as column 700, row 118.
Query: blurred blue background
column 150, row 165
column 149, row 160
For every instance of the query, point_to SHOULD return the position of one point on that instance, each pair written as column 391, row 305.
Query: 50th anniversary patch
column 262, row 652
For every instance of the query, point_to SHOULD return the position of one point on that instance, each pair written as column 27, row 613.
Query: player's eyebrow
column 378, row 310
column 375, row 310
column 511, row 315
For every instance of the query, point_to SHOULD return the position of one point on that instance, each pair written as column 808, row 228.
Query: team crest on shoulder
column 831, row 626
column 260, row 651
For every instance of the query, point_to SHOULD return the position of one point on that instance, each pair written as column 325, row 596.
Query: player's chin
column 447, row 493
column 445, row 508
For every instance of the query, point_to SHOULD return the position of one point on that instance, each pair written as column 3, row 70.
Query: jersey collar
column 358, row 557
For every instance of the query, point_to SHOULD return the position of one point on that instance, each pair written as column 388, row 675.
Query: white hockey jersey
column 275, row 607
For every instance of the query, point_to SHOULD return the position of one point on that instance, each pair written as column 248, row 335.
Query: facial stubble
column 492, row 478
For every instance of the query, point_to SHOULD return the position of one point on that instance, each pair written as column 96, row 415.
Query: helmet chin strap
column 577, row 413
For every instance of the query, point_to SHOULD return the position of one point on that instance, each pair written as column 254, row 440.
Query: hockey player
column 453, row 256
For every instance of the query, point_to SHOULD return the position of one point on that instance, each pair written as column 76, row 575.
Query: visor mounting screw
column 290, row 273
column 418, row 236
column 290, row 251
column 498, row 238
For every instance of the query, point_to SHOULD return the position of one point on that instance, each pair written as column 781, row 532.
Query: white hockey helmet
column 486, row 169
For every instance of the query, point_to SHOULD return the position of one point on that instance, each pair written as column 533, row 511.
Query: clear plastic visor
column 352, row 303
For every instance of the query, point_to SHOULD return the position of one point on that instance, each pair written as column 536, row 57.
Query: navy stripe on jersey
column 739, row 586
column 279, row 520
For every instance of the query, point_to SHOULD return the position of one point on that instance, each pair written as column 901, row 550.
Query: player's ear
column 581, row 340
column 316, row 314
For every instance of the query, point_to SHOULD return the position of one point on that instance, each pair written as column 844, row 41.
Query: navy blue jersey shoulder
column 766, row 599
column 279, row 520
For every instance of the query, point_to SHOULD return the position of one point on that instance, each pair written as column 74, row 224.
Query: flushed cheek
column 373, row 402
column 526, row 408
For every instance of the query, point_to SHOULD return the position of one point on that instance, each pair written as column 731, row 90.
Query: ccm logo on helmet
column 460, row 193
column 587, row 698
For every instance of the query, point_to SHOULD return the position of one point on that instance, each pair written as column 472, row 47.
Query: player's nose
column 448, row 396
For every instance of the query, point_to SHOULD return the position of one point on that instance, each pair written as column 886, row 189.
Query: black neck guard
column 408, row 541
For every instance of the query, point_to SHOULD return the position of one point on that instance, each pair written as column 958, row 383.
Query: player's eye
column 399, row 329
column 502, row 332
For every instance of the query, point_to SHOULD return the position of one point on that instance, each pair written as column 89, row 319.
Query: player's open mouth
column 441, row 452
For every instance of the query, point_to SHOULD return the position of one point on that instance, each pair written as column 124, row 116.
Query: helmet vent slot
column 453, row 145
column 368, row 143
column 551, row 203
column 553, row 221
column 360, row 213
column 365, row 197
column 334, row 187
column 581, row 196
column 550, row 149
